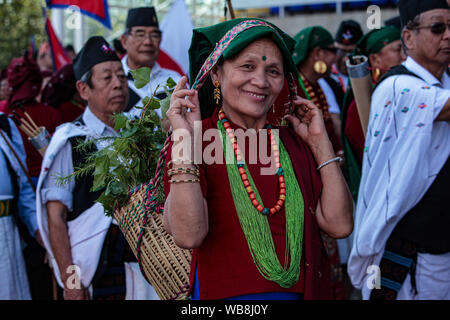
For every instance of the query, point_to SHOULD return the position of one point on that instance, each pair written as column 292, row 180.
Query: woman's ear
column 317, row 54
column 374, row 60
column 214, row 74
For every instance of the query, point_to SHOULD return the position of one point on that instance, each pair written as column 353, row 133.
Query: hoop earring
column 320, row 67
column 216, row 92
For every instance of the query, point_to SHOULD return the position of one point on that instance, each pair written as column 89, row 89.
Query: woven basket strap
column 152, row 205
column 161, row 162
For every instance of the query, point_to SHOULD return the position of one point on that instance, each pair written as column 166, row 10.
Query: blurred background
column 22, row 21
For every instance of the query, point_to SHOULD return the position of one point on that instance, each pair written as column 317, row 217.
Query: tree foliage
column 19, row 20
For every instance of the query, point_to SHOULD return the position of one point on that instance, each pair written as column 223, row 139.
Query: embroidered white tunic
column 405, row 149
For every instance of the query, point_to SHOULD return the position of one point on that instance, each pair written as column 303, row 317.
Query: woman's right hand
column 178, row 114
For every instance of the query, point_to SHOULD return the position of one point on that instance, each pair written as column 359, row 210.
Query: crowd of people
column 342, row 198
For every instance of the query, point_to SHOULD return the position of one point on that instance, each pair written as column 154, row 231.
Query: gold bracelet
column 184, row 180
column 174, row 171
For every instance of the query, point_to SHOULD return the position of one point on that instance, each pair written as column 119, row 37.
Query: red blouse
column 225, row 265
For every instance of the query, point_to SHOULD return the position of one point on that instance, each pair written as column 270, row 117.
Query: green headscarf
column 376, row 40
column 223, row 41
column 308, row 39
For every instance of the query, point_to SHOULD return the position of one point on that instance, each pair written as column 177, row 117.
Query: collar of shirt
column 97, row 125
column 156, row 67
column 416, row 68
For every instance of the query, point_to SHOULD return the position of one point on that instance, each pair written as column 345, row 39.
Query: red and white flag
column 176, row 38
column 59, row 55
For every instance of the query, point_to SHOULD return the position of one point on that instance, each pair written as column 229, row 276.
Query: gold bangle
column 184, row 180
column 174, row 171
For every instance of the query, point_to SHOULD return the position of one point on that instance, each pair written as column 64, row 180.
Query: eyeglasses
column 141, row 35
column 436, row 28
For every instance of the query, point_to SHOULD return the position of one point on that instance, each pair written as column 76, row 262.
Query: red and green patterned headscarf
column 223, row 41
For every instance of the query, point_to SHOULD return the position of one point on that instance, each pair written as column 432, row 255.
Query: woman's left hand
column 307, row 122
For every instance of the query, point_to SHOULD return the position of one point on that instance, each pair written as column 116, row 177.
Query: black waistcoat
column 427, row 224
column 83, row 197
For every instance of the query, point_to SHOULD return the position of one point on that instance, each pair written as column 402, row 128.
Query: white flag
column 176, row 38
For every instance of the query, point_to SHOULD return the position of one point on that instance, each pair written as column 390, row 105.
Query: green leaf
column 141, row 76
column 152, row 104
column 171, row 83
column 165, row 104
column 128, row 133
column 120, row 121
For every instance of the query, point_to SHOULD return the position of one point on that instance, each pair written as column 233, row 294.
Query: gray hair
column 87, row 78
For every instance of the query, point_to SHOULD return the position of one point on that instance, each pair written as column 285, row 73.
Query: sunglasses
column 436, row 28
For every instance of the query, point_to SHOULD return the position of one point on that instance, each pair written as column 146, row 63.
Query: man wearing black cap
column 88, row 252
column 141, row 41
column 402, row 217
column 348, row 34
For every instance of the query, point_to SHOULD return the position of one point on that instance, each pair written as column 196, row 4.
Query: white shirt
column 62, row 166
column 158, row 76
column 404, row 151
column 333, row 106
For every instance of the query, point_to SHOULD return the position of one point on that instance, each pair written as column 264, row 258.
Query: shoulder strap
column 79, row 120
column 394, row 71
column 5, row 125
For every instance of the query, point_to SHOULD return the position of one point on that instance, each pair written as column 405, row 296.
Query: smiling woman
column 255, row 235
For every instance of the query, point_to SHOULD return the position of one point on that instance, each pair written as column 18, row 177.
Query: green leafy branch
column 130, row 159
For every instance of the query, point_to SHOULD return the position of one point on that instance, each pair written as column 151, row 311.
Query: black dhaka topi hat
column 409, row 9
column 96, row 50
column 142, row 17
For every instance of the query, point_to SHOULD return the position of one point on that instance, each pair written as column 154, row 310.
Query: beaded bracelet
column 175, row 171
column 328, row 162
column 184, row 180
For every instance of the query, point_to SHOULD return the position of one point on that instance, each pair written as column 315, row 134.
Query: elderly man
column 402, row 217
column 89, row 253
column 141, row 41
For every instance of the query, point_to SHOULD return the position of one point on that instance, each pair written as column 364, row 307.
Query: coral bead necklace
column 244, row 177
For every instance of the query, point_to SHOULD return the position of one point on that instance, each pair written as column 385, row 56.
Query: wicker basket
column 165, row 265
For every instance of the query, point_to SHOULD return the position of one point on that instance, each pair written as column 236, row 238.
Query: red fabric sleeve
column 353, row 131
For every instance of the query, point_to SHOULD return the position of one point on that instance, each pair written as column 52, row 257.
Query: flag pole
column 230, row 7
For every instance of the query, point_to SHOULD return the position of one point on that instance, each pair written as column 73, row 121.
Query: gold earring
column 377, row 73
column 320, row 67
column 216, row 91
